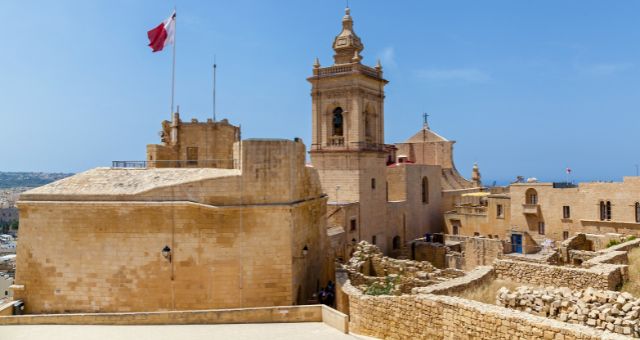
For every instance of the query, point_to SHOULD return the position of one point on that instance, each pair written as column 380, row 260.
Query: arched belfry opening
column 338, row 122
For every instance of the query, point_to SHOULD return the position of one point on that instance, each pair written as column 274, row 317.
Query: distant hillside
column 28, row 179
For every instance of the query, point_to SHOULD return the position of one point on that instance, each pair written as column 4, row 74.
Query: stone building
column 180, row 237
column 532, row 212
column 381, row 193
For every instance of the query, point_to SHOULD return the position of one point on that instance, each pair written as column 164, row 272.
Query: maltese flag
column 163, row 34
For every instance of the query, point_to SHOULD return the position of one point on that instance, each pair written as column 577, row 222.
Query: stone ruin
column 375, row 274
column 613, row 311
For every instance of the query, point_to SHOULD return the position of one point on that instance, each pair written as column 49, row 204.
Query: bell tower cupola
column 347, row 44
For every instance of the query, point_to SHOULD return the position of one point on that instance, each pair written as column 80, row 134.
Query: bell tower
column 347, row 98
column 348, row 135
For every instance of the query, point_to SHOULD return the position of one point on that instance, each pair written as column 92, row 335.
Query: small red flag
column 163, row 34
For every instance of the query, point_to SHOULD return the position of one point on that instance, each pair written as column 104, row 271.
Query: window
column 531, row 196
column 396, row 242
column 565, row 235
column 373, row 183
column 337, row 122
column 456, row 229
column 541, row 228
column 386, row 188
column 605, row 210
column 373, row 239
column 352, row 224
column 425, row 190
column 638, row 212
column 496, row 237
column 499, row 211
column 566, row 212
column 476, row 234
column 192, row 156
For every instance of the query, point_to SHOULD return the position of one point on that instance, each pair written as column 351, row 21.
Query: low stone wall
column 602, row 276
column 310, row 313
column 428, row 316
column 614, row 311
column 475, row 278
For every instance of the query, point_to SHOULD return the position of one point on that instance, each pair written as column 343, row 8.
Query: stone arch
column 531, row 196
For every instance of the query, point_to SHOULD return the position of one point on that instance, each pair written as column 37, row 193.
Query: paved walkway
column 303, row 331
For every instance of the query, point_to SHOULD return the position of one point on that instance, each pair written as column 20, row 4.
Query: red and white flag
column 163, row 34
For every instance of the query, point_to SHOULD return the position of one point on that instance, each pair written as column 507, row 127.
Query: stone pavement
column 302, row 331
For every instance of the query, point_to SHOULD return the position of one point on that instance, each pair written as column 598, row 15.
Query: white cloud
column 603, row 69
column 471, row 75
column 387, row 57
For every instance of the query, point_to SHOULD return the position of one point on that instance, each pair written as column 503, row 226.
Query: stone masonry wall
column 427, row 316
column 603, row 276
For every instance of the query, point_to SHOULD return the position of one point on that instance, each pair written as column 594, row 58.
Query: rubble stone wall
column 602, row 276
column 614, row 311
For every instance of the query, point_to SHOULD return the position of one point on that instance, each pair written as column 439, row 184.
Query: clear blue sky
column 524, row 87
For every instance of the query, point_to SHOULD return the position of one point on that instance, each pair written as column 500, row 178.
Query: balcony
column 531, row 209
column 336, row 141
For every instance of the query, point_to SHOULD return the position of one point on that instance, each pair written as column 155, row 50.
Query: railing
column 200, row 163
column 530, row 209
column 354, row 67
column 353, row 146
column 337, row 141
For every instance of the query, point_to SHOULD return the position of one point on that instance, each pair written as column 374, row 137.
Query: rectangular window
column 566, row 211
column 565, row 235
column 373, row 239
column 476, row 234
column 456, row 230
column 373, row 183
column 353, row 224
column 499, row 211
column 541, row 228
column 638, row 212
column 192, row 156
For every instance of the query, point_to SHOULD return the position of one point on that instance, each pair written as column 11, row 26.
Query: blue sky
column 525, row 88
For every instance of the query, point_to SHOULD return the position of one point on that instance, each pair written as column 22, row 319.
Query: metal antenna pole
column 214, row 87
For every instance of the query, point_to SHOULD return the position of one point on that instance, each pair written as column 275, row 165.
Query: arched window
column 638, row 212
column 396, row 243
column 367, row 125
column 531, row 196
column 337, row 122
column 425, row 190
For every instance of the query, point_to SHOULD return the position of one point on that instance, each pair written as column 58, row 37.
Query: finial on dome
column 378, row 65
column 475, row 175
column 316, row 64
column 356, row 57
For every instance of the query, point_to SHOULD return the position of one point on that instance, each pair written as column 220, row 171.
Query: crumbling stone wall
column 614, row 311
column 368, row 268
column 602, row 276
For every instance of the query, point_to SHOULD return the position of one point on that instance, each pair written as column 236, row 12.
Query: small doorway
column 516, row 243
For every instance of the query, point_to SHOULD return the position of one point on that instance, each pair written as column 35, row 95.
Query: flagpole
column 173, row 69
column 214, row 87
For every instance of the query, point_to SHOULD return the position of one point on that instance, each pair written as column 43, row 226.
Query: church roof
column 111, row 182
column 426, row 135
